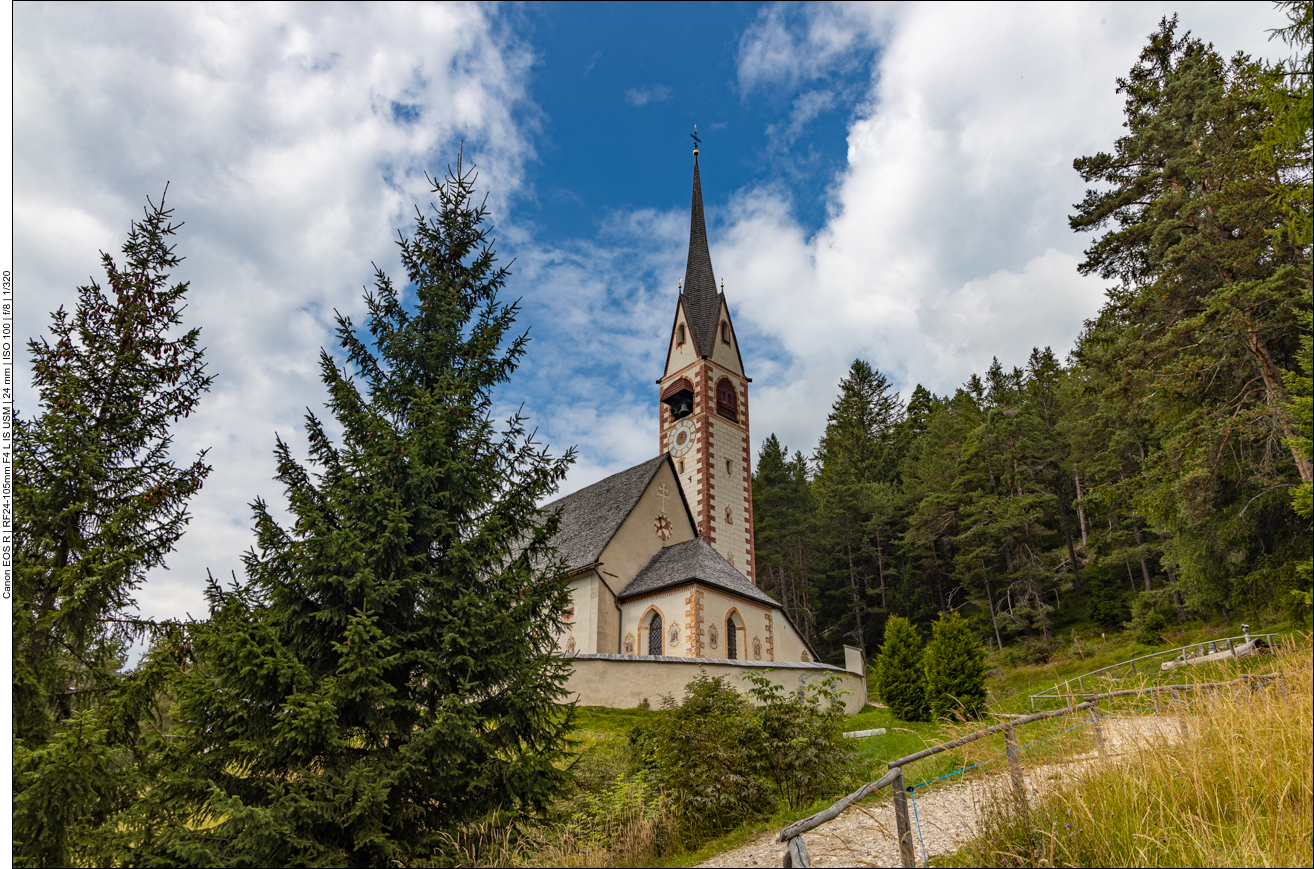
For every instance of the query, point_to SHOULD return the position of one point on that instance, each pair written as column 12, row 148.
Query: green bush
column 900, row 674
column 1108, row 604
column 1031, row 651
column 1149, row 617
column 798, row 739
column 703, row 752
column 722, row 759
column 955, row 669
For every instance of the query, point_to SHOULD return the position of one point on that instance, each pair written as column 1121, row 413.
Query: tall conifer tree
column 98, row 501
column 1205, row 317
column 387, row 673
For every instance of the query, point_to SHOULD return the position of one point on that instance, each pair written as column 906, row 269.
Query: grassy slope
column 602, row 733
column 1239, row 791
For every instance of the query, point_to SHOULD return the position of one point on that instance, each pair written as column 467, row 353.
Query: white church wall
column 733, row 540
column 681, row 355
column 637, row 540
column 723, row 354
column 581, row 627
column 755, row 622
column 789, row 642
column 622, row 682
column 674, row 606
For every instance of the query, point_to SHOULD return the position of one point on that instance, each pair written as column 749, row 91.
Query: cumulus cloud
column 294, row 139
column 653, row 93
column 947, row 242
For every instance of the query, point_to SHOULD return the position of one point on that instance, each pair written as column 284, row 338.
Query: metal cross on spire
column 694, row 136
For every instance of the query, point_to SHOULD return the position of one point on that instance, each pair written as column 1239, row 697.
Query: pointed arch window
column 679, row 335
column 725, row 332
column 727, row 403
column 731, row 639
column 655, row 634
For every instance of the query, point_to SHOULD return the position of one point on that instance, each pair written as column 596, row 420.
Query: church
column 660, row 556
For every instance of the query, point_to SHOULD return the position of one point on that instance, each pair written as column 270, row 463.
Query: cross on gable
column 664, row 492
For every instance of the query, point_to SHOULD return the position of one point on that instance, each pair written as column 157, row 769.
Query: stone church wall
column 622, row 682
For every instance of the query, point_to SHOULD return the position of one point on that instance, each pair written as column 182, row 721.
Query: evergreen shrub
column 955, row 669
column 900, row 674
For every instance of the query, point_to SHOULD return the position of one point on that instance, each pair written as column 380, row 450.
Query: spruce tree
column 955, row 669
column 857, row 460
column 784, row 513
column 98, row 502
column 387, row 674
column 1194, row 213
column 900, row 673
column 98, row 499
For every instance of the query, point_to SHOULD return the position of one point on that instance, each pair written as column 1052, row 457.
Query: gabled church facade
column 660, row 556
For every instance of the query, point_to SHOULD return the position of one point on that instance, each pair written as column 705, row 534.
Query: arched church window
column 731, row 638
column 655, row 634
column 725, row 332
column 729, row 516
column 679, row 335
column 727, row 403
column 727, row 466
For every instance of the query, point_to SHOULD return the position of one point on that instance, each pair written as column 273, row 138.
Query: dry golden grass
column 1237, row 791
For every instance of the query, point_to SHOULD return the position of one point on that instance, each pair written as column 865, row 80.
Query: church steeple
column 702, row 303
column 703, row 405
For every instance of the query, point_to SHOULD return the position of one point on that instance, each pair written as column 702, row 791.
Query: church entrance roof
column 694, row 560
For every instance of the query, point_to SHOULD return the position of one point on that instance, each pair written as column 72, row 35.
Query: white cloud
column 653, row 93
column 789, row 44
column 294, row 138
column 948, row 241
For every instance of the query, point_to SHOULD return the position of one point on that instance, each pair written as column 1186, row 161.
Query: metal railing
column 1063, row 690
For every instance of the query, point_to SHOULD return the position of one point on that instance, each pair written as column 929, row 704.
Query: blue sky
column 620, row 88
column 885, row 181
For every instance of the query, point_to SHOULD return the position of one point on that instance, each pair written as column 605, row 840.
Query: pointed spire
column 701, row 300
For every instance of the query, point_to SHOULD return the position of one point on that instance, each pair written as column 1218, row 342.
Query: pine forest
column 1159, row 472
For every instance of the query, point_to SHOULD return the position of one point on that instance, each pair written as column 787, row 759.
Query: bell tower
column 704, row 405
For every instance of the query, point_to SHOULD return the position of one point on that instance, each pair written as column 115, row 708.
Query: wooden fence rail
column 797, row 853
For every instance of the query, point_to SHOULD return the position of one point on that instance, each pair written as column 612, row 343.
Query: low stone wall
column 625, row 681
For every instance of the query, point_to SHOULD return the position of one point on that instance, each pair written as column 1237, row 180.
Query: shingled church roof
column 693, row 560
column 702, row 303
column 591, row 516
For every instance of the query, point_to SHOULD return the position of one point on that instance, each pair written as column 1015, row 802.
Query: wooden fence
column 797, row 853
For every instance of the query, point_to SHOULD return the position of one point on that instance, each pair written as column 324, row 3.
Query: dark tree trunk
column 1145, row 567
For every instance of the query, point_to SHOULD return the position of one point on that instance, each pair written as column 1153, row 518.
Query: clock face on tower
column 681, row 438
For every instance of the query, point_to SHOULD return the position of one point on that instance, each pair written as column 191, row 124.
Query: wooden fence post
column 904, row 829
column 797, row 856
column 1015, row 768
column 1099, row 731
column 1181, row 718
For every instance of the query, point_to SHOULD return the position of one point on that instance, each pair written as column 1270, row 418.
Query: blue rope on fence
column 925, row 860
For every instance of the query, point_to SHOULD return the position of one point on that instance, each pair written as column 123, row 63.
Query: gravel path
column 864, row 835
